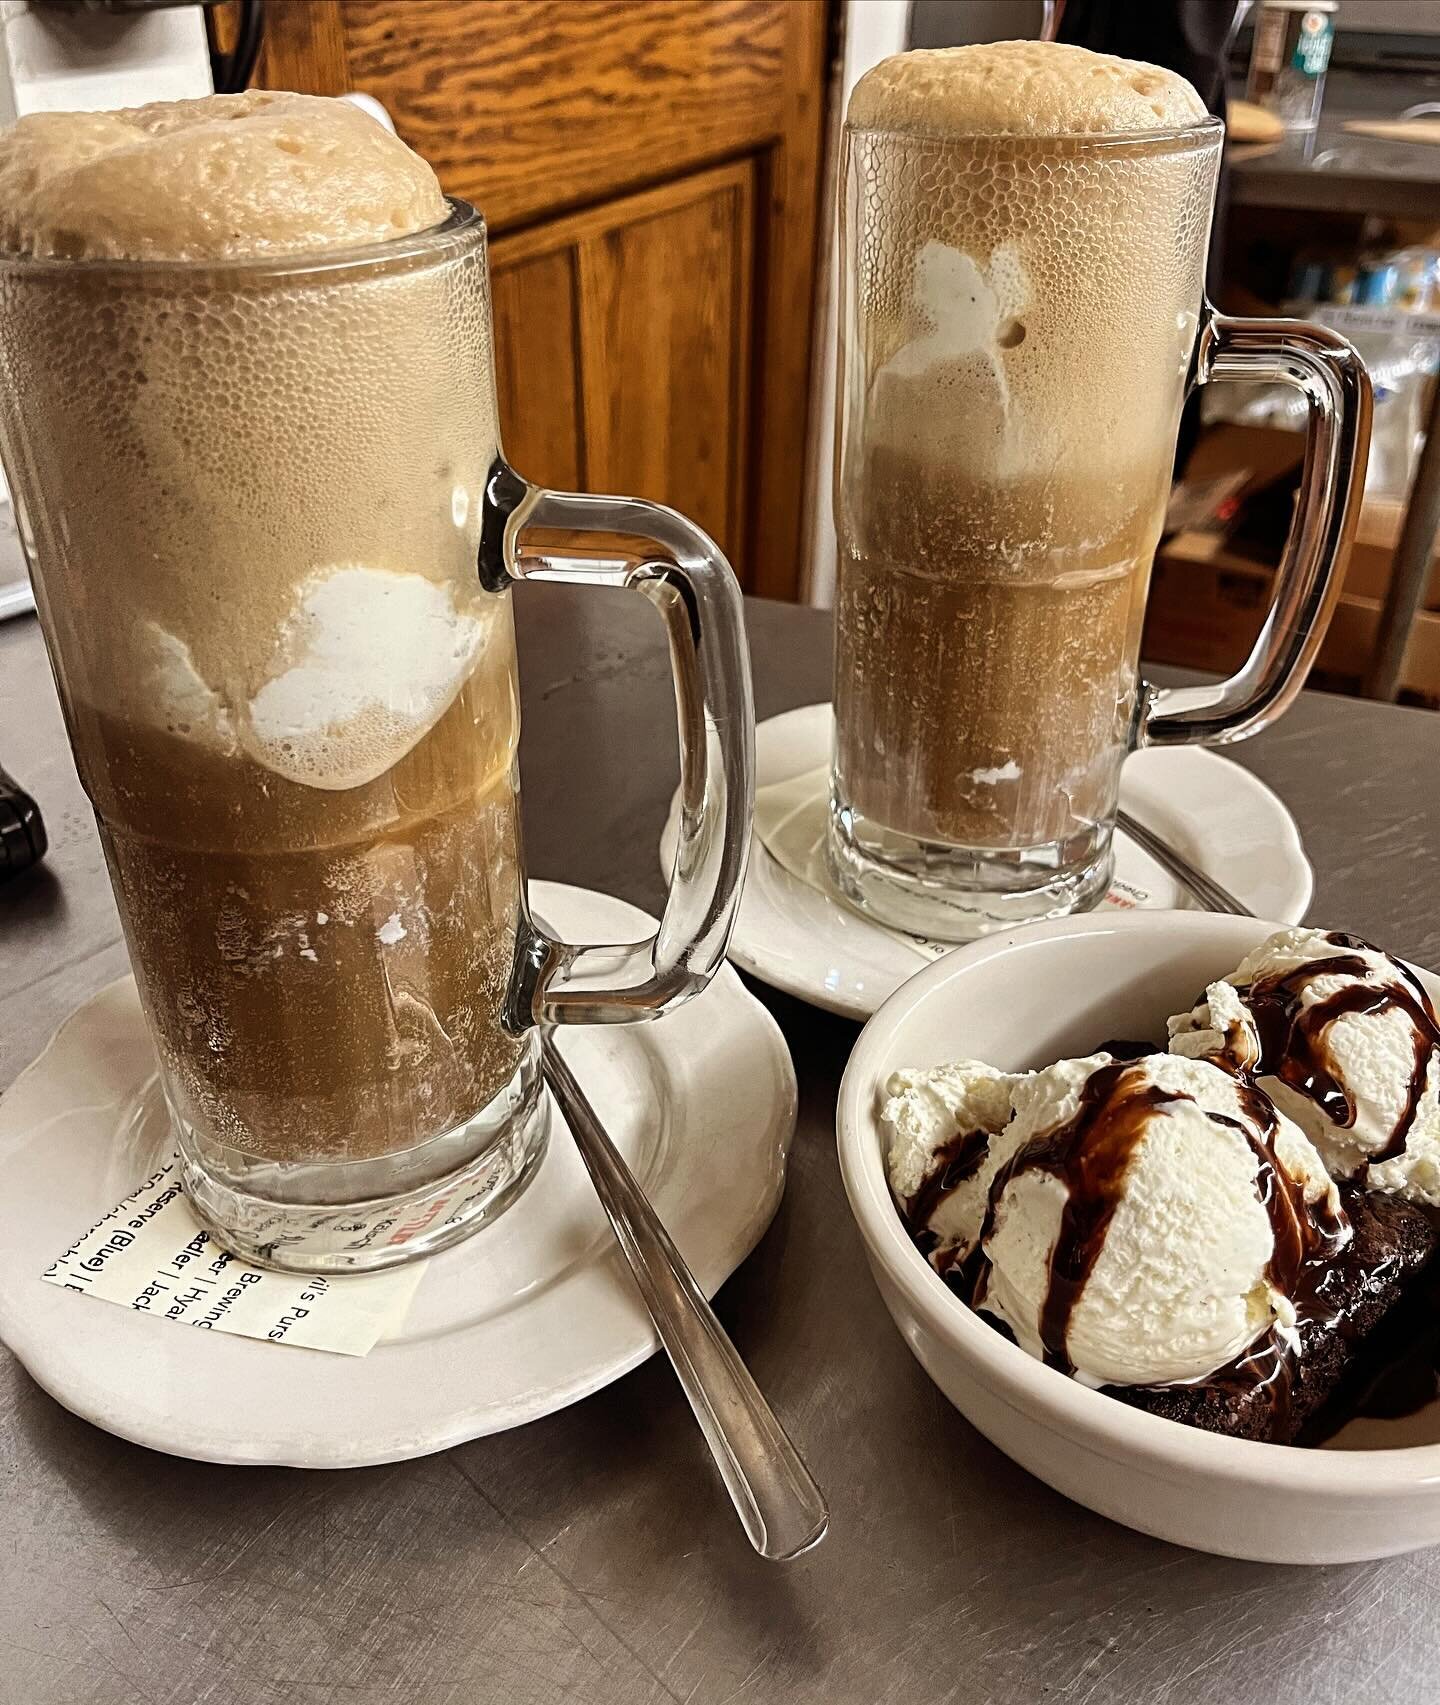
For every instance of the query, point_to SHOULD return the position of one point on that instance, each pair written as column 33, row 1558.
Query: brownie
column 1271, row 1396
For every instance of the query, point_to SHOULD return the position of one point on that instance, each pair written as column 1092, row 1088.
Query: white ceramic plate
column 531, row 1314
column 1021, row 1000
column 815, row 947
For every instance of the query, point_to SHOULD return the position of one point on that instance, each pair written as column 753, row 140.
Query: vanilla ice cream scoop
column 1138, row 1223
column 943, row 1146
column 1345, row 1042
column 1151, row 1219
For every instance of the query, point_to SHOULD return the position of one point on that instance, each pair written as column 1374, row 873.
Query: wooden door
column 649, row 171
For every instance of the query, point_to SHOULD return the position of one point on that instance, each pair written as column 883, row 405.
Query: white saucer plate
column 813, row 946
column 532, row 1314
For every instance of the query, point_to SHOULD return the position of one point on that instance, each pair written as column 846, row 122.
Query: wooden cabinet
column 649, row 171
column 624, row 333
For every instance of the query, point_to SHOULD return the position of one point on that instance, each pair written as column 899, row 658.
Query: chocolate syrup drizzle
column 1090, row 1154
column 959, row 1158
column 1292, row 1036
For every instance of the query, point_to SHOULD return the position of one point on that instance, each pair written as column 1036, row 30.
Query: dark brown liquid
column 325, row 972
column 974, row 712
column 1293, row 1036
column 323, row 967
column 998, row 506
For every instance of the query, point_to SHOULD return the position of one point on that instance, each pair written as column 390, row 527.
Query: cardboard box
column 1345, row 655
column 1368, row 575
column 1207, row 605
column 1264, row 454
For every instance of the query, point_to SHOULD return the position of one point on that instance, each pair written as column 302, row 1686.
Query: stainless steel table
column 588, row 1557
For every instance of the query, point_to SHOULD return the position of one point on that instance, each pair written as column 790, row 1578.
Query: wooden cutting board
column 1397, row 129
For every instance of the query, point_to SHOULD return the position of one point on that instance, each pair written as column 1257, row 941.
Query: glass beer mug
column 1021, row 319
column 272, row 536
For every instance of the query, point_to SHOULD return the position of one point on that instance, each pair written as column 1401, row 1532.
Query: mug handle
column 1327, row 370
column 698, row 598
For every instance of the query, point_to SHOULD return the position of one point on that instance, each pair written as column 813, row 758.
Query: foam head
column 228, row 177
column 1021, row 88
column 1026, row 223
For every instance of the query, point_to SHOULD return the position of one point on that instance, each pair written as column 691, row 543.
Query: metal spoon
column 1205, row 889
column 781, row 1508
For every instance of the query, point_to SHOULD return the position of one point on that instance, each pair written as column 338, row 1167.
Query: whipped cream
column 1160, row 1215
column 374, row 660
column 970, row 308
column 1344, row 1042
column 175, row 696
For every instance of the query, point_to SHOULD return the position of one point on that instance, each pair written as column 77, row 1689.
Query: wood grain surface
column 532, row 106
column 537, row 365
column 667, row 366
column 622, row 356
column 790, row 180
column 304, row 47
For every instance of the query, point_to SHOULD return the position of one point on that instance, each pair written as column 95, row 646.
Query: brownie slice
column 1272, row 1396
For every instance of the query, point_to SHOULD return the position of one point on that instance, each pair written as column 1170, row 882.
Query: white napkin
column 150, row 1253
column 791, row 819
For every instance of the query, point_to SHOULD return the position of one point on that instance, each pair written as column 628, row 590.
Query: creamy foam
column 1021, row 88
column 366, row 664
column 232, row 176
column 374, row 660
column 177, row 700
column 1018, row 287
column 272, row 484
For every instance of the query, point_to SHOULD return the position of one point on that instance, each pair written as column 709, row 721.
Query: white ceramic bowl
column 1021, row 1000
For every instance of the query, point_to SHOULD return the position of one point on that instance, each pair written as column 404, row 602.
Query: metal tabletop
column 590, row 1557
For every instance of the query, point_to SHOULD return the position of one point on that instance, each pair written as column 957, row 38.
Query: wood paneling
column 649, row 170
column 304, row 47
column 665, row 341
column 528, row 107
column 661, row 317
column 785, row 276
column 537, row 367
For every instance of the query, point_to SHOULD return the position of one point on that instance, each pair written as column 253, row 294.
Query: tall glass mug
column 1021, row 320
column 272, row 536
